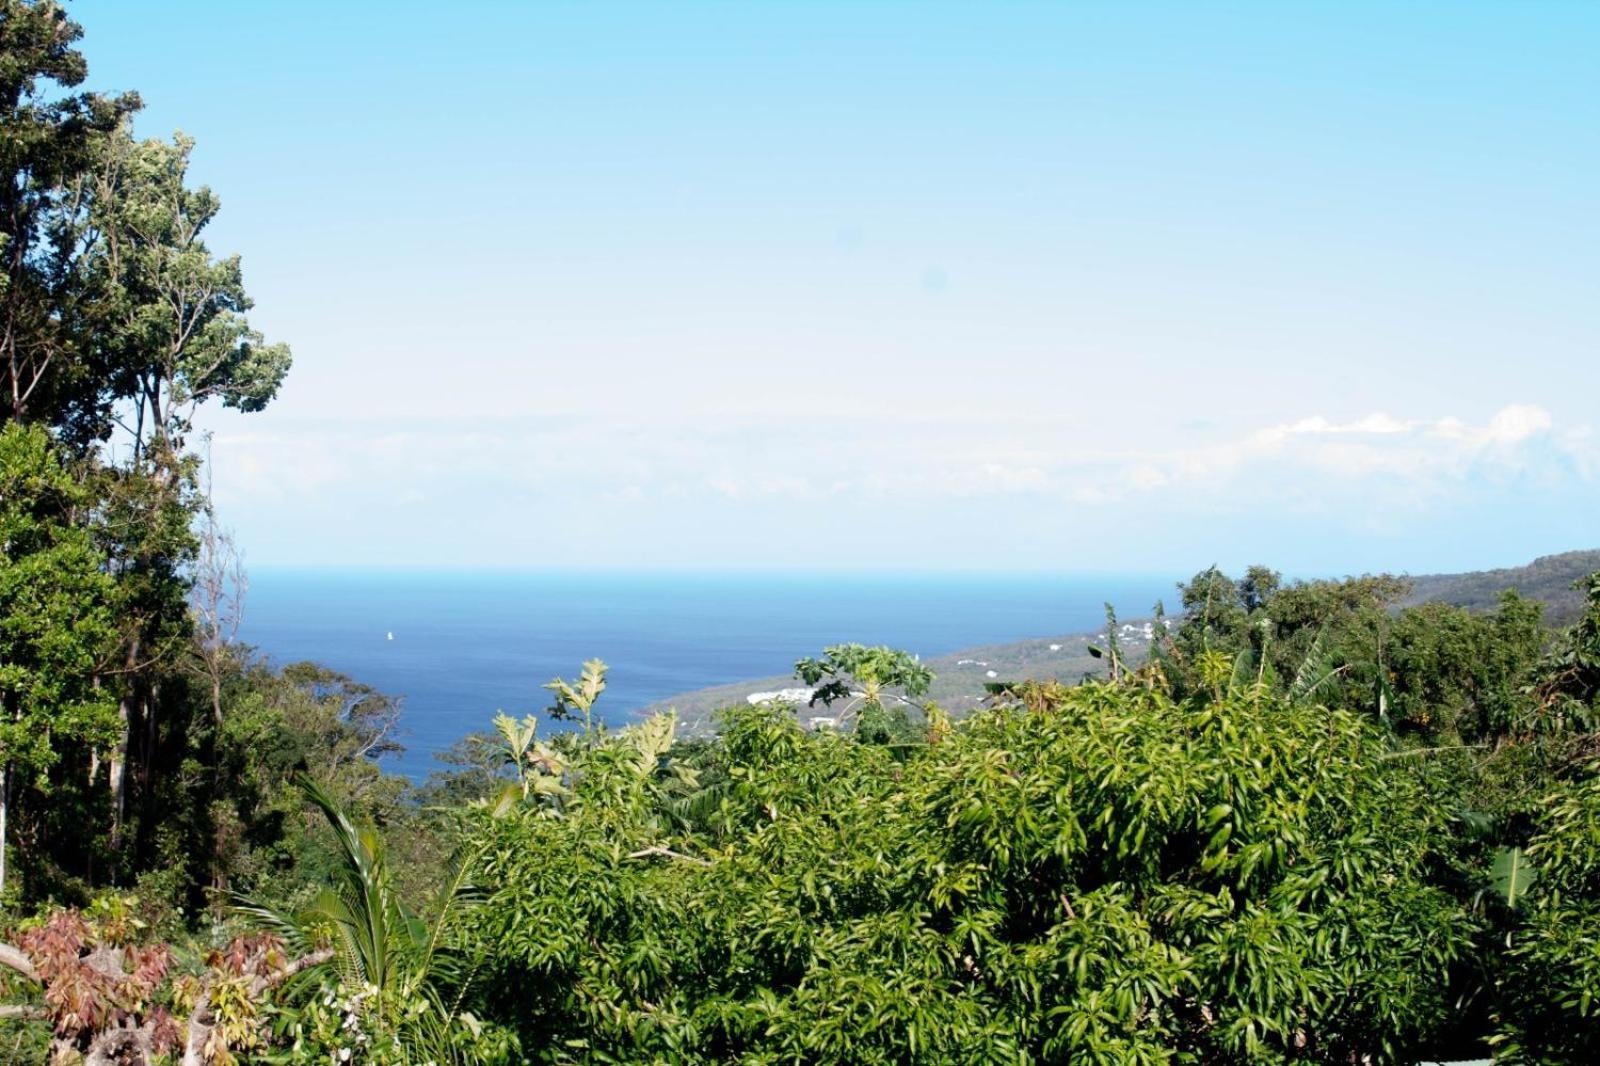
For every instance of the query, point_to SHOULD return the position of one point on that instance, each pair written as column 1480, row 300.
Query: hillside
column 958, row 677
column 1548, row 579
column 961, row 675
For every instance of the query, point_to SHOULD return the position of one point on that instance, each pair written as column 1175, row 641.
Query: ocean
column 456, row 646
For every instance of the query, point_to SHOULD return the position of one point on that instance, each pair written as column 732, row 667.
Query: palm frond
column 1306, row 679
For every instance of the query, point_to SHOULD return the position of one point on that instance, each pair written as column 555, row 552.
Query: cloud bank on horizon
column 1312, row 495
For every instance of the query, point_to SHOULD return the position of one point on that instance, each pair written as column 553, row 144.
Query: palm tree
column 402, row 964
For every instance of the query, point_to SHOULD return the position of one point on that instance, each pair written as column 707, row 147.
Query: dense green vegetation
column 1306, row 822
column 961, row 677
column 1549, row 579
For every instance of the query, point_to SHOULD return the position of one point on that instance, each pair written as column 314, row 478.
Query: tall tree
column 115, row 314
column 50, row 142
column 56, row 628
column 171, row 326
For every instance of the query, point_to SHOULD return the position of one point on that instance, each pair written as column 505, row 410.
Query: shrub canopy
column 1099, row 873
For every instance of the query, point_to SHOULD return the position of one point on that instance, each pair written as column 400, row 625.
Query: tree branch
column 18, row 961
column 657, row 849
column 263, row 982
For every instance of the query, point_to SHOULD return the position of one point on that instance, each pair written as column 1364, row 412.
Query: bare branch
column 266, row 981
column 657, row 849
column 18, row 960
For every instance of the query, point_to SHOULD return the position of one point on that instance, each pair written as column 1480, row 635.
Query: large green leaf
column 1512, row 875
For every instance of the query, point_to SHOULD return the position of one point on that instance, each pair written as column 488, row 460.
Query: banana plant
column 1512, row 875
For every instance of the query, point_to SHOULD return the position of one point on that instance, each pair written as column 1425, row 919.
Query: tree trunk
column 94, row 753
column 5, row 809
column 117, row 772
column 120, row 1047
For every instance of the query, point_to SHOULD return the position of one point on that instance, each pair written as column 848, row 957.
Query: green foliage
column 1199, row 861
column 1460, row 677
column 171, row 322
column 575, row 699
column 56, row 629
column 1551, row 988
column 1437, row 673
column 876, row 685
column 1568, row 694
column 1111, row 876
column 393, row 988
column 1548, row 580
column 1112, row 652
column 238, row 786
column 49, row 145
column 114, row 318
column 1512, row 875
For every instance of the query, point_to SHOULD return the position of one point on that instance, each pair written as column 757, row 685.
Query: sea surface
column 456, row 646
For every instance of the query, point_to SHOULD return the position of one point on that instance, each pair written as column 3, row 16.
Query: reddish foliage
column 88, row 988
column 77, row 994
column 149, row 966
column 252, row 955
column 97, row 988
column 56, row 943
column 165, row 1035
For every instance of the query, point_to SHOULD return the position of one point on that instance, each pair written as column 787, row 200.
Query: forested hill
column 1549, row 579
column 960, row 676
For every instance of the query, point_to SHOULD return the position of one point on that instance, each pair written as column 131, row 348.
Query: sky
column 1129, row 287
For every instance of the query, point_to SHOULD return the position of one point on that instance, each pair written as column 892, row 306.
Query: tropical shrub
column 1096, row 874
column 391, row 992
column 110, row 993
column 1550, row 992
column 869, row 689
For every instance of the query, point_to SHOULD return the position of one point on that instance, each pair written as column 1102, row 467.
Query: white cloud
column 1429, row 453
column 1517, row 423
column 812, row 459
column 1359, row 474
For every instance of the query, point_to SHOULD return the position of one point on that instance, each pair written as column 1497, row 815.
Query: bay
column 456, row 646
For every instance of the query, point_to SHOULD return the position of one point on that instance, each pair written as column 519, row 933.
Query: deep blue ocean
column 466, row 644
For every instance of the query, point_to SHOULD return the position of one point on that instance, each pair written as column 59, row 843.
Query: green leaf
column 1512, row 875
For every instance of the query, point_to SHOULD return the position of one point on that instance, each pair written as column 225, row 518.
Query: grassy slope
column 961, row 675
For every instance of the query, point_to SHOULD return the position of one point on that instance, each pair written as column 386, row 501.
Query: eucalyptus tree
column 115, row 317
column 170, row 319
column 51, row 141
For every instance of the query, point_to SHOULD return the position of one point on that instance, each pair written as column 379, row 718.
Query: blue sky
column 960, row 286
